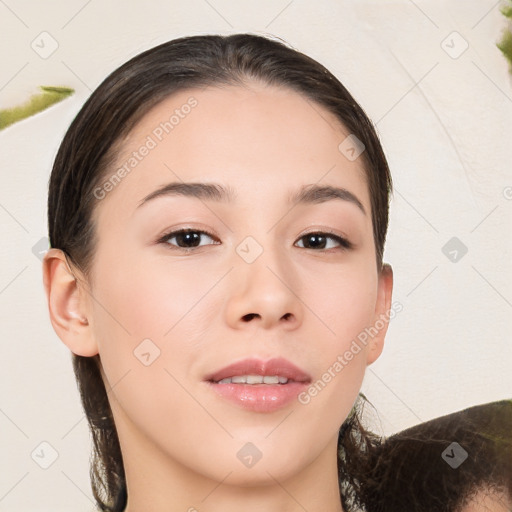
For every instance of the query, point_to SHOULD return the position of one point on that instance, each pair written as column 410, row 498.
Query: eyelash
column 343, row 242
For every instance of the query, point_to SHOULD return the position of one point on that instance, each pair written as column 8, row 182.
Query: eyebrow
column 203, row 191
column 308, row 194
column 315, row 194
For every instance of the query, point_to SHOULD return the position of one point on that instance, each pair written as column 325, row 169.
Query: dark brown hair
column 89, row 150
column 444, row 463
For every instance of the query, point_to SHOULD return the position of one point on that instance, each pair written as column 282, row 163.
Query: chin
column 259, row 476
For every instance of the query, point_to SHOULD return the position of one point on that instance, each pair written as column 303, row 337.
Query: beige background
column 445, row 118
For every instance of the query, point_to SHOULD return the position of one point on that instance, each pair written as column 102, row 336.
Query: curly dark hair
column 443, row 464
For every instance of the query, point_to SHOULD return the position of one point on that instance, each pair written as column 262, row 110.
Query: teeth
column 254, row 379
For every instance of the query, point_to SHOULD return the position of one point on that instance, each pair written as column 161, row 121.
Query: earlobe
column 67, row 305
column 382, row 313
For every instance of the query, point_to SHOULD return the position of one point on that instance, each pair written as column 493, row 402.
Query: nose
column 264, row 293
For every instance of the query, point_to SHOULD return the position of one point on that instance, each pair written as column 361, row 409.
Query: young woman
column 217, row 215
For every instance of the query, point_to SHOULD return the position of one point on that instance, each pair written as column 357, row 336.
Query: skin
column 179, row 440
column 488, row 501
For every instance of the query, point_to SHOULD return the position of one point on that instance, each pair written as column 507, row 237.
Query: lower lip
column 259, row 397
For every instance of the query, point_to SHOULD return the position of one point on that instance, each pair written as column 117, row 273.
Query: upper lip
column 277, row 366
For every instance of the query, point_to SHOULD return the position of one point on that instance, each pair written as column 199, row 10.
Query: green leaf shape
column 37, row 103
column 506, row 10
column 505, row 45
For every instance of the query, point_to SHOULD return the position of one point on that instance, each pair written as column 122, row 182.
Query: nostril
column 249, row 316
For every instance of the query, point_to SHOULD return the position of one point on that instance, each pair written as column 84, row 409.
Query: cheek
column 345, row 302
column 346, row 305
column 148, row 300
column 148, row 322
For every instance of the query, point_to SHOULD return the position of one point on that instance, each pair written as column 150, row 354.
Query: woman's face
column 251, row 284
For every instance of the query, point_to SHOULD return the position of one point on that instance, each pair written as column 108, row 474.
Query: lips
column 279, row 367
column 241, row 384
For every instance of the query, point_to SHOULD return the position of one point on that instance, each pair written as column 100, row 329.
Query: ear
column 382, row 308
column 67, row 303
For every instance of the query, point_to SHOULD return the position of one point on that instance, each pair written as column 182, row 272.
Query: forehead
column 257, row 139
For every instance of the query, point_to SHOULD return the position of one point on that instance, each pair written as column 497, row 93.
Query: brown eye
column 320, row 240
column 186, row 239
